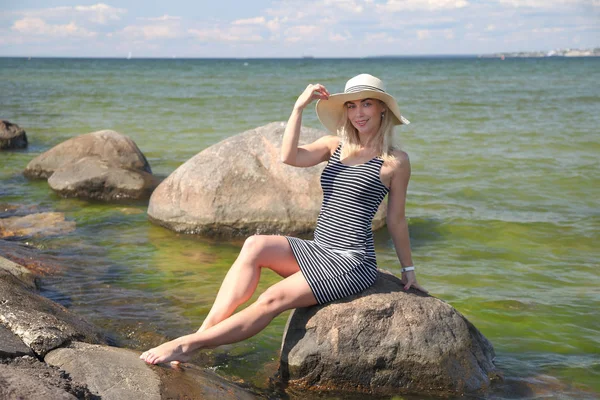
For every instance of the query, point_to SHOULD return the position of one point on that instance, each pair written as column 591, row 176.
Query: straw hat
column 363, row 86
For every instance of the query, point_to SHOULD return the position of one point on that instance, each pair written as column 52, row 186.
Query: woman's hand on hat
column 410, row 280
column 310, row 94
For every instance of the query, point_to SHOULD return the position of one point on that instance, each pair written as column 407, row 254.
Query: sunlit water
column 503, row 201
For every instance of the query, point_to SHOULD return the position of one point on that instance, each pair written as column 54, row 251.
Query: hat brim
column 330, row 111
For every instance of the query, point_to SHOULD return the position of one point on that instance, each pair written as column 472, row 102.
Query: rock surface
column 240, row 187
column 119, row 374
column 93, row 178
column 40, row 323
column 39, row 224
column 28, row 378
column 18, row 271
column 12, row 136
column 108, row 372
column 386, row 341
column 11, row 345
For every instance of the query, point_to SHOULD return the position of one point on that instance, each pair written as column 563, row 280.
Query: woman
column 362, row 168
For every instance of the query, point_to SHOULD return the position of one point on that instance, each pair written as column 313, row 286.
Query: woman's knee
column 271, row 301
column 254, row 245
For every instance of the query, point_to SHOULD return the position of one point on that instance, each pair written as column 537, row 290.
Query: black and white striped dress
column 340, row 261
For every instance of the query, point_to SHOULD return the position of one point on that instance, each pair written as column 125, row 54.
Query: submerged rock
column 386, row 341
column 39, row 224
column 239, row 187
column 103, row 165
column 12, row 136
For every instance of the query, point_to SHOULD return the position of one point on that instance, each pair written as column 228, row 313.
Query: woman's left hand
column 410, row 280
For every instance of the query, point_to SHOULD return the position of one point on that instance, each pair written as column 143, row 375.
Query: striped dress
column 340, row 261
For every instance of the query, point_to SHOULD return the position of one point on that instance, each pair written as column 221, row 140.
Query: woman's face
column 365, row 115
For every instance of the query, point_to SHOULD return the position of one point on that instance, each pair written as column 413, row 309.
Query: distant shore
column 553, row 53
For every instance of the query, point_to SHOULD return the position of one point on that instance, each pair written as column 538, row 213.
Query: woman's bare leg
column 292, row 292
column 240, row 283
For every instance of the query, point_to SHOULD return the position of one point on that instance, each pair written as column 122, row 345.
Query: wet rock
column 40, row 323
column 12, row 136
column 386, row 341
column 93, row 178
column 28, row 378
column 109, row 372
column 39, row 224
column 11, row 346
column 110, row 146
column 239, row 187
column 30, row 258
column 116, row 374
column 18, row 271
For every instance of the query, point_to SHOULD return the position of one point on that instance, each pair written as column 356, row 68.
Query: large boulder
column 12, row 136
column 103, row 165
column 39, row 322
column 239, row 187
column 386, row 341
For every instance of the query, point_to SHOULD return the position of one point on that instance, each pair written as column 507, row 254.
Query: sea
column 503, row 203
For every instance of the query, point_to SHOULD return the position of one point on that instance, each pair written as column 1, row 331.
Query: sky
column 293, row 28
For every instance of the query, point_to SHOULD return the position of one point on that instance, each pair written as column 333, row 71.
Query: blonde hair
column 384, row 139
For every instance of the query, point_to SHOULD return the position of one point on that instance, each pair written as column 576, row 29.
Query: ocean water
column 503, row 202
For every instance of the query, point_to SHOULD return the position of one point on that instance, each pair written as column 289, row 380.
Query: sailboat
column 129, row 56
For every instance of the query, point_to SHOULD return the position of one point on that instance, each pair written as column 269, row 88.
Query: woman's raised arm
column 313, row 153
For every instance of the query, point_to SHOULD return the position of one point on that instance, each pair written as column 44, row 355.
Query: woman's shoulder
column 399, row 159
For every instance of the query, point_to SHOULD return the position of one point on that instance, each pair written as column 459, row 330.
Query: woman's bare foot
column 174, row 351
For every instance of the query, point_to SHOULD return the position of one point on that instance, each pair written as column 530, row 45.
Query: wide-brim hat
column 363, row 86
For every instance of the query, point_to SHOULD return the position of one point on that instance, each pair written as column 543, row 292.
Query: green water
column 502, row 206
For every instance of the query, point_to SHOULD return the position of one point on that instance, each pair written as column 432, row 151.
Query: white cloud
column 163, row 18
column 423, row 34
column 549, row 4
column 101, row 13
column 338, row 37
column 225, row 35
column 151, row 32
column 37, row 26
column 435, row 33
column 98, row 13
column 249, row 21
column 421, row 5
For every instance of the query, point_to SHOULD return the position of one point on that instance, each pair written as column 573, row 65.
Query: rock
column 93, row 178
column 39, row 224
column 18, row 271
column 112, row 147
column 386, row 341
column 11, row 345
column 28, row 378
column 40, row 323
column 12, row 136
column 108, row 372
column 115, row 374
column 30, row 258
column 239, row 187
